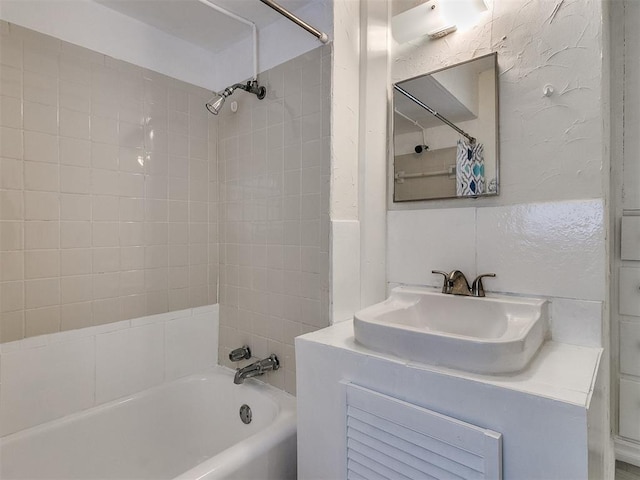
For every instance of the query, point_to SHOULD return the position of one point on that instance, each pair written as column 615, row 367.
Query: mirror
column 445, row 133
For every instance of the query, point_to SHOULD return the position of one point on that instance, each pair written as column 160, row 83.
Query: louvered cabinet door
column 388, row 438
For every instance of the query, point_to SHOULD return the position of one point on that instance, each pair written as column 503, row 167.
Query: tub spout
column 256, row 369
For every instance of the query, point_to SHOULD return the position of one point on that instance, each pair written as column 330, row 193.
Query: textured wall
column 104, row 189
column 551, row 148
column 274, row 213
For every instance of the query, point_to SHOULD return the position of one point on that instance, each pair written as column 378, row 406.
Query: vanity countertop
column 559, row 371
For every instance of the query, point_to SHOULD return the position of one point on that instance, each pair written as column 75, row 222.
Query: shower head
column 215, row 104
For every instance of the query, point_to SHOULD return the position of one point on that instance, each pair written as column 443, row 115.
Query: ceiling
column 198, row 24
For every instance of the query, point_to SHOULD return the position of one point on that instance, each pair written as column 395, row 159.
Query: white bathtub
column 187, row 429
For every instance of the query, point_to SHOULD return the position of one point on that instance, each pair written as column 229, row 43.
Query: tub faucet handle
column 477, row 288
column 242, row 353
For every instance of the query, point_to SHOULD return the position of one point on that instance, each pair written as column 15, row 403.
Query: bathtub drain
column 245, row 413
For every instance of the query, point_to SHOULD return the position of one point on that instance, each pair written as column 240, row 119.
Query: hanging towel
column 469, row 169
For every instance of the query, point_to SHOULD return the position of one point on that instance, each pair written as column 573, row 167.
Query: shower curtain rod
column 435, row 114
column 323, row 37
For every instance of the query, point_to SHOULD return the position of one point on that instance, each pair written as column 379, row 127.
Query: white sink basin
column 494, row 334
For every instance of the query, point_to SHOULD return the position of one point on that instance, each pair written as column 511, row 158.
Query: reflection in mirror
column 445, row 133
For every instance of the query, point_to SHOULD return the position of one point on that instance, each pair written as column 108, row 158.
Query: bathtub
column 186, row 429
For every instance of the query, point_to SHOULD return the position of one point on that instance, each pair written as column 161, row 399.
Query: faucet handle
column 477, row 288
column 242, row 353
column 445, row 285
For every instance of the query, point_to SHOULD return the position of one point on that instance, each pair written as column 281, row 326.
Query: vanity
column 364, row 411
column 405, row 397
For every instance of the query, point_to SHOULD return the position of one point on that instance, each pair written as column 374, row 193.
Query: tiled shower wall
column 274, row 213
column 107, row 183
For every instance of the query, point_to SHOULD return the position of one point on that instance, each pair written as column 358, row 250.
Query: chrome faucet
column 455, row 283
column 256, row 369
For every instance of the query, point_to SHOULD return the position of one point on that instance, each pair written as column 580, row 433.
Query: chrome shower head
column 215, row 104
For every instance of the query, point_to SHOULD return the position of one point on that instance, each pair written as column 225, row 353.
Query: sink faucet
column 256, row 369
column 455, row 283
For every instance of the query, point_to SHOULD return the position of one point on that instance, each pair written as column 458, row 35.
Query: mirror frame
column 496, row 136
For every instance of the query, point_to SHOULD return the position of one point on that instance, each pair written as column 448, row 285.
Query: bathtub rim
column 226, row 461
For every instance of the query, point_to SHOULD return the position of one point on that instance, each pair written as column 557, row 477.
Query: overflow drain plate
column 245, row 414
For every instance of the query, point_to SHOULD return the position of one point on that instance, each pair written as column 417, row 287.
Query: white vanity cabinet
column 543, row 422
column 628, row 311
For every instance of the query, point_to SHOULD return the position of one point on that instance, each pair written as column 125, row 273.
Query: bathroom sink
column 494, row 334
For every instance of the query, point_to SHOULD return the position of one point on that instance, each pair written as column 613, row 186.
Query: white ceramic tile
column 75, row 234
column 12, row 266
column 39, row 147
column 41, row 176
column 544, row 248
column 41, row 235
column 104, row 156
column 32, row 394
column 40, row 118
column 420, row 241
column 41, row 206
column 191, row 344
column 74, row 151
column 11, row 236
column 74, row 124
column 76, row 289
column 42, row 292
column 41, row 264
column 75, row 261
column 105, row 234
column 128, row 361
column 10, row 112
column 75, row 179
column 75, row 207
column 577, row 322
column 75, row 96
column 105, row 182
column 105, row 208
column 11, row 174
column 11, row 205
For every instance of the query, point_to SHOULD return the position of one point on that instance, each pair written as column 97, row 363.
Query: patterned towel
column 469, row 169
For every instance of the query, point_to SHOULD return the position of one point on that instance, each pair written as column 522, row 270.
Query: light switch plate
column 630, row 238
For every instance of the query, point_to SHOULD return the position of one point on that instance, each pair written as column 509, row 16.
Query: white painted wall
column 94, row 26
column 373, row 151
column 345, row 125
column 550, row 148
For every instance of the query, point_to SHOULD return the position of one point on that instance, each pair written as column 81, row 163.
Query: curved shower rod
column 323, row 37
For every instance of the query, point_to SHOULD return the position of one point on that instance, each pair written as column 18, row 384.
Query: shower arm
column 254, row 31
column 251, row 87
